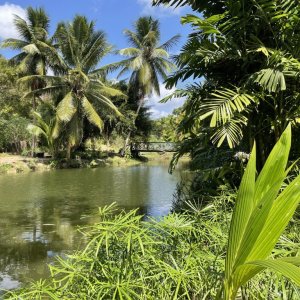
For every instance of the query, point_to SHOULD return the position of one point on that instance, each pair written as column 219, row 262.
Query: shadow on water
column 40, row 212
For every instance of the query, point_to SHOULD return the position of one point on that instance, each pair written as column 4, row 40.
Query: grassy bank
column 12, row 164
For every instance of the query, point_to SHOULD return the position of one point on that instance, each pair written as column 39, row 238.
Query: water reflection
column 41, row 211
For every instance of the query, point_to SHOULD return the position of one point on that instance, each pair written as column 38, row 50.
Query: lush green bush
column 14, row 133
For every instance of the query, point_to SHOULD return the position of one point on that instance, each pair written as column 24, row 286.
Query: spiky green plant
column 45, row 129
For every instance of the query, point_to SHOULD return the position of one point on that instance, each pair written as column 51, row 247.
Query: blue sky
column 111, row 16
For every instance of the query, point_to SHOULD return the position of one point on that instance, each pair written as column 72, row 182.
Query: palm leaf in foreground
column 260, row 216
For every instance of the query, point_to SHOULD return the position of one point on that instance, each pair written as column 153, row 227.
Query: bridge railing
column 154, row 147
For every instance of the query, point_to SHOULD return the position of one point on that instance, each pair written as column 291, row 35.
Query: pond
column 40, row 212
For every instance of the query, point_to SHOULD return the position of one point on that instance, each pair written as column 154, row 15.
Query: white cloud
column 161, row 10
column 158, row 109
column 7, row 12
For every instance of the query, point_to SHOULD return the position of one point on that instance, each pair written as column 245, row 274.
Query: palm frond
column 231, row 132
column 107, row 90
column 222, row 105
column 272, row 80
column 23, row 29
column 159, row 52
column 130, row 52
column 169, row 44
column 103, row 100
column 133, row 39
column 14, row 44
column 66, row 108
column 91, row 113
column 31, row 49
column 177, row 94
column 104, row 70
column 137, row 63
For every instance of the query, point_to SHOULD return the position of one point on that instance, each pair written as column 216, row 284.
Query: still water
column 40, row 212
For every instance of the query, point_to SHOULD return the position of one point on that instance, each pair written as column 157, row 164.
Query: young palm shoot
column 261, row 214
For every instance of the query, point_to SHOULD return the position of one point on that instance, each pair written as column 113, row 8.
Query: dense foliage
column 243, row 59
column 165, row 128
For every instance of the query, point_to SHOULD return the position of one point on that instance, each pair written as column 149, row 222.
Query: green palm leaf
column 231, row 132
column 271, row 79
column 91, row 113
column 222, row 105
column 66, row 108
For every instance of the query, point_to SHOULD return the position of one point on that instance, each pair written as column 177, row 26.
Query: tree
column 247, row 60
column 147, row 61
column 206, row 7
column 165, row 128
column 37, row 52
column 14, row 136
column 11, row 101
column 79, row 85
column 140, row 126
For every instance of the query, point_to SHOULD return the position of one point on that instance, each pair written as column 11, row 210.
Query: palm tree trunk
column 69, row 147
column 33, row 143
column 127, row 140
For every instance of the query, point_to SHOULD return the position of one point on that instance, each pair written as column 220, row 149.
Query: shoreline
column 16, row 164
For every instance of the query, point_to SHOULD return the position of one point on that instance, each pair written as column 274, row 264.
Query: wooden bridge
column 153, row 147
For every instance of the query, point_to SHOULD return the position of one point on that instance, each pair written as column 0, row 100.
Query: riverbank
column 13, row 164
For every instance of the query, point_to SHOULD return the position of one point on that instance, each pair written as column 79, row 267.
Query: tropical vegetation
column 62, row 78
column 233, row 229
column 147, row 61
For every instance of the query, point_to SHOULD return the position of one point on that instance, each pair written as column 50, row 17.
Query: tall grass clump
column 207, row 253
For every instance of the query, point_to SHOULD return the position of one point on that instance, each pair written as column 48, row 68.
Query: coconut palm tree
column 147, row 60
column 80, row 85
column 37, row 53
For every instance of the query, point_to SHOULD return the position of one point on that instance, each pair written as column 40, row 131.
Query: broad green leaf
column 257, row 221
column 286, row 269
column 274, row 168
column 242, row 211
column 280, row 214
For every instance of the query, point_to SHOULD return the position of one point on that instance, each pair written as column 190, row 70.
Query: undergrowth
column 180, row 256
